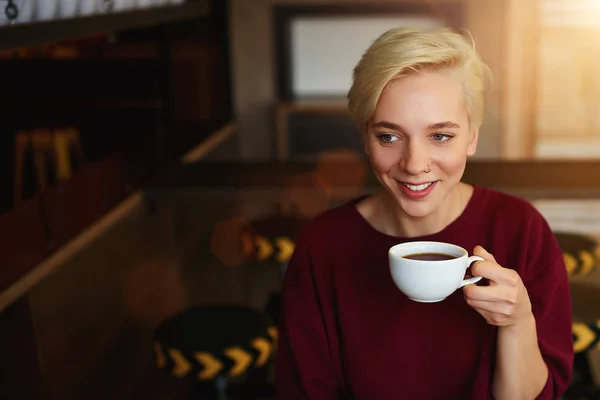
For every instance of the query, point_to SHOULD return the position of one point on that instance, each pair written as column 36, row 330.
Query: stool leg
column 79, row 154
column 19, row 159
column 209, row 390
column 221, row 386
column 63, row 164
column 282, row 269
column 582, row 386
column 40, row 170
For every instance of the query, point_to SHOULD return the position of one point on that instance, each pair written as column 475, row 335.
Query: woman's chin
column 416, row 210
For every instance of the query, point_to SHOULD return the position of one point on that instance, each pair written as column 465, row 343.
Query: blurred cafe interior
column 158, row 158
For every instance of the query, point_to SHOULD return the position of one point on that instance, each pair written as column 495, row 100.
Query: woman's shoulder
column 333, row 222
column 506, row 204
column 510, row 212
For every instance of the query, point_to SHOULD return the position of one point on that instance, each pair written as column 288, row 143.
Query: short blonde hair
column 407, row 51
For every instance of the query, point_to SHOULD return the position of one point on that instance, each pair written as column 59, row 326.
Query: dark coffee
column 430, row 256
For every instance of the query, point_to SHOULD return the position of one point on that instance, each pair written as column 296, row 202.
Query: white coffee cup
column 430, row 281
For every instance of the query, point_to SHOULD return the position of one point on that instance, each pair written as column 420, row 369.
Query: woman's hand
column 505, row 301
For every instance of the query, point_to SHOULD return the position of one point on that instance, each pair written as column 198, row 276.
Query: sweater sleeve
column 548, row 288
column 304, row 361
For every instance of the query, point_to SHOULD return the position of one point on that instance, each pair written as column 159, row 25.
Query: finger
column 474, row 292
column 482, row 311
column 490, row 306
column 483, row 253
column 487, row 269
column 492, row 318
column 496, row 273
column 496, row 293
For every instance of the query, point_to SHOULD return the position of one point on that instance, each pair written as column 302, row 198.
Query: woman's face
column 420, row 124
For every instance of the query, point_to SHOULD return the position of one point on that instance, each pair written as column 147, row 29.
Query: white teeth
column 418, row 188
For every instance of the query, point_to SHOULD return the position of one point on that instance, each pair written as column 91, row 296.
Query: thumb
column 483, row 253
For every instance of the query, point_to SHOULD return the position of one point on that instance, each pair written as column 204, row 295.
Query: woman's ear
column 472, row 147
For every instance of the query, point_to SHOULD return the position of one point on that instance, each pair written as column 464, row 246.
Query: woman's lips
column 417, row 190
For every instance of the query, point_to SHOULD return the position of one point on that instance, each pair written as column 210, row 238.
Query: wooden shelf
column 82, row 208
column 35, row 33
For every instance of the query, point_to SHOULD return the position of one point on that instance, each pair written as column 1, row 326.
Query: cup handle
column 474, row 279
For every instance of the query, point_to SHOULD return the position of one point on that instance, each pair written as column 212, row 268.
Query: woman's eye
column 387, row 138
column 441, row 137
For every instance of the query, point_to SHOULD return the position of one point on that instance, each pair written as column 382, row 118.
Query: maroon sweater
column 346, row 331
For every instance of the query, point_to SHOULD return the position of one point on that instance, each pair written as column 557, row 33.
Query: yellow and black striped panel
column 235, row 241
column 586, row 336
column 232, row 361
column 581, row 253
column 272, row 238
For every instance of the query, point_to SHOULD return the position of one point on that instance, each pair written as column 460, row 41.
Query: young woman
column 346, row 331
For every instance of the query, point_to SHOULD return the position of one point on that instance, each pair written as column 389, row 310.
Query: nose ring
column 428, row 170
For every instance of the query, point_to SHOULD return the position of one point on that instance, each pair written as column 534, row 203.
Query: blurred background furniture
column 586, row 340
column 214, row 344
column 582, row 256
column 53, row 147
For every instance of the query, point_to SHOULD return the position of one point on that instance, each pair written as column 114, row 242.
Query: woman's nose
column 415, row 160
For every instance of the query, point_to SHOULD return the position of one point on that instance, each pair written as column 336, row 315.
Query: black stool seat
column 204, row 343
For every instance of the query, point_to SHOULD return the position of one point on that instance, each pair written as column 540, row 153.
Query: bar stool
column 59, row 144
column 214, row 344
column 586, row 339
column 272, row 240
column 581, row 253
column 582, row 256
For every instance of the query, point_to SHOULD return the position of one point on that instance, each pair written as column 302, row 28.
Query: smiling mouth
column 417, row 188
